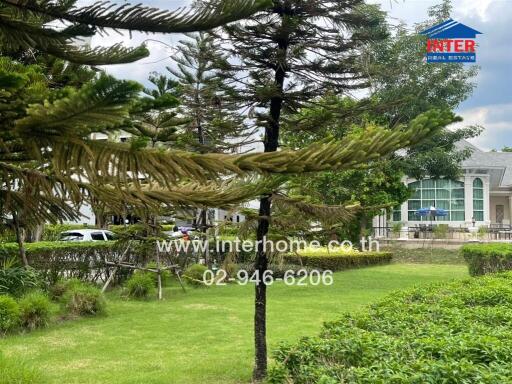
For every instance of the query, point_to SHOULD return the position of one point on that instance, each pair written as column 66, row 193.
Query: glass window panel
column 457, row 184
column 429, row 194
column 443, row 193
column 457, row 205
column 457, row 193
column 478, row 215
column 477, row 183
column 478, row 193
column 478, row 205
column 397, row 216
column 428, row 183
column 443, row 183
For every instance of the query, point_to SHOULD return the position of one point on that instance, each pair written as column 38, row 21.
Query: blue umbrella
column 432, row 212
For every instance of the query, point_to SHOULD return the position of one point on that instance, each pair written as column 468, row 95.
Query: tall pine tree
column 289, row 55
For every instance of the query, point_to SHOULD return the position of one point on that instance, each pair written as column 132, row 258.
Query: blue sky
column 489, row 106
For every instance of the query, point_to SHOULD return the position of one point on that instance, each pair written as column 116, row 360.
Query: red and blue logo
column 451, row 42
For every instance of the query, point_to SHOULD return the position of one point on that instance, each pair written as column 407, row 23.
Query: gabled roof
column 450, row 29
column 497, row 164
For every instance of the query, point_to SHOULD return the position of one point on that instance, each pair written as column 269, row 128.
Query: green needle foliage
column 210, row 103
column 24, row 25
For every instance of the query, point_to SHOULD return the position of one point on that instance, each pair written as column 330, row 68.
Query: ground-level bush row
column 487, row 258
column 458, row 332
column 86, row 260
column 81, row 260
column 338, row 262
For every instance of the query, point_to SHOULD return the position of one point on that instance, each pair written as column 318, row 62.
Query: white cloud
column 497, row 121
column 467, row 8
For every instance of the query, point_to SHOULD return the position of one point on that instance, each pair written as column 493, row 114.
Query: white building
column 481, row 196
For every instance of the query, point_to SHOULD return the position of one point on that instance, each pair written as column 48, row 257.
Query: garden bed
column 445, row 333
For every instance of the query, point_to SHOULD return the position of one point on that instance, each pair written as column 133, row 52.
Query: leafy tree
column 409, row 86
column 402, row 87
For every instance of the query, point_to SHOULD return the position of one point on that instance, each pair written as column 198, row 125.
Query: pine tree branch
column 104, row 14
column 15, row 34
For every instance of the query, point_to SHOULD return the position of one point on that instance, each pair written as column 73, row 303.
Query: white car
column 87, row 235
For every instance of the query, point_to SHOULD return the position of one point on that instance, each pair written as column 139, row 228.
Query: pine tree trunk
column 260, row 301
column 34, row 235
column 20, row 239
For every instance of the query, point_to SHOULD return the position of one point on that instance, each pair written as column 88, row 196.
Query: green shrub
column 455, row 332
column 166, row 275
column 9, row 314
column 16, row 280
column 35, row 310
column 84, row 300
column 396, row 228
column 140, row 285
column 18, row 372
column 487, row 258
column 336, row 261
column 60, row 287
column 81, row 260
column 441, row 231
column 7, row 235
column 194, row 274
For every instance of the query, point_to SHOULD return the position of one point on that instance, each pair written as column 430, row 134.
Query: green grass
column 205, row 335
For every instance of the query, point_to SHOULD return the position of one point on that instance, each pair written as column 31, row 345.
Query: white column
column 468, row 200
column 405, row 214
column 510, row 209
column 487, row 201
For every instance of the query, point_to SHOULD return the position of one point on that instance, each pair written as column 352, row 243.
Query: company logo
column 451, row 42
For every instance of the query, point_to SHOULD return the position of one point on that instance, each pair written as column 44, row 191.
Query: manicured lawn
column 205, row 335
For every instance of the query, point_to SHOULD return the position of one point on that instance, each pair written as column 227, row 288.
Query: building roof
column 497, row 164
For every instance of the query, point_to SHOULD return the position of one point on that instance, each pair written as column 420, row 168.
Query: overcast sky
column 489, row 106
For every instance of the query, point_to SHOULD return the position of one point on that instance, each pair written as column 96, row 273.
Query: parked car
column 87, row 235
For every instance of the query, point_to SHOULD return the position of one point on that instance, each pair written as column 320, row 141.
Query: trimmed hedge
column 81, row 260
column 456, row 332
column 337, row 261
column 487, row 258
